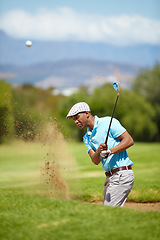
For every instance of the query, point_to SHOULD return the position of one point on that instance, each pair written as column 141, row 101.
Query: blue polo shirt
column 94, row 138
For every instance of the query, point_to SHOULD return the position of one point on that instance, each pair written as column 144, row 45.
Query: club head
column 116, row 86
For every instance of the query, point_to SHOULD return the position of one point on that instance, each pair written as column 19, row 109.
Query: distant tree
column 133, row 111
column 102, row 99
column 67, row 127
column 147, row 84
column 137, row 116
column 6, row 114
column 32, row 107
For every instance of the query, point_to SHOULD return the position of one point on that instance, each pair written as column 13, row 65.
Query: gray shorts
column 117, row 187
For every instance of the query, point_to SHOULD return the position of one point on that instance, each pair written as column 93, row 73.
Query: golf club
column 117, row 88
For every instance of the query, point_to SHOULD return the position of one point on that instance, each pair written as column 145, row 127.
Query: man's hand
column 102, row 147
column 105, row 153
column 96, row 155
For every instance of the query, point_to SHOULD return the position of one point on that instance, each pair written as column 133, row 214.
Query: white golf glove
column 105, row 153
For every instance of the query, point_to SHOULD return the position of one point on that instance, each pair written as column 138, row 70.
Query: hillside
column 71, row 64
column 14, row 51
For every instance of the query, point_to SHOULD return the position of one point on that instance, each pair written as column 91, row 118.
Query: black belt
column 114, row 170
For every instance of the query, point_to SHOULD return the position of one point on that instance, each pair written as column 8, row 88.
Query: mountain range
column 70, row 64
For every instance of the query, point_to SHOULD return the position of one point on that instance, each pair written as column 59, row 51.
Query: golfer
column 117, row 165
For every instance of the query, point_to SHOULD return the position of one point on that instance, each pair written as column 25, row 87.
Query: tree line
column 25, row 109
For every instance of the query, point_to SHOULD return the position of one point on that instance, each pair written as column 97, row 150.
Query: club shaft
column 111, row 118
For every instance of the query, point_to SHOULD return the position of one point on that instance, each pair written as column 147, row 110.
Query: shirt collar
column 96, row 120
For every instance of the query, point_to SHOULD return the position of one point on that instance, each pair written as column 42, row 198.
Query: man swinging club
column 115, row 161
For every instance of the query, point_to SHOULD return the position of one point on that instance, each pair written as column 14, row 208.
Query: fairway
column 146, row 165
column 29, row 210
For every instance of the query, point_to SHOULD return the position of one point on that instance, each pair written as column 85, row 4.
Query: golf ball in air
column 28, row 43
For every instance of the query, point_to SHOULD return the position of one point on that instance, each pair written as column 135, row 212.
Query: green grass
column 146, row 165
column 27, row 217
column 28, row 210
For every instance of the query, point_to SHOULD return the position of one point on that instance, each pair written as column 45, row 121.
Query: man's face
column 81, row 120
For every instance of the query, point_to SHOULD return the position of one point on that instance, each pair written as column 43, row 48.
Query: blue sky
column 120, row 22
column 146, row 8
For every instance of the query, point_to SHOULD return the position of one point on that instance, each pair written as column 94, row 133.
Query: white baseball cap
column 78, row 108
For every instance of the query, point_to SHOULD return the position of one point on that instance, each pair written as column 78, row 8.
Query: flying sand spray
column 59, row 168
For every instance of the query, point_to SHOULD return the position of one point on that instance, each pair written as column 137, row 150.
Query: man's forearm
column 126, row 142
column 95, row 156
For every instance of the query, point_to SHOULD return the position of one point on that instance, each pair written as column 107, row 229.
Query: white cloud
column 67, row 24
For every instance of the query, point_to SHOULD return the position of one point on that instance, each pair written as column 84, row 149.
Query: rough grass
column 146, row 165
column 24, row 216
column 28, row 210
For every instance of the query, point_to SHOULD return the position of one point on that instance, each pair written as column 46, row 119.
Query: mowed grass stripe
column 29, row 211
column 26, row 217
